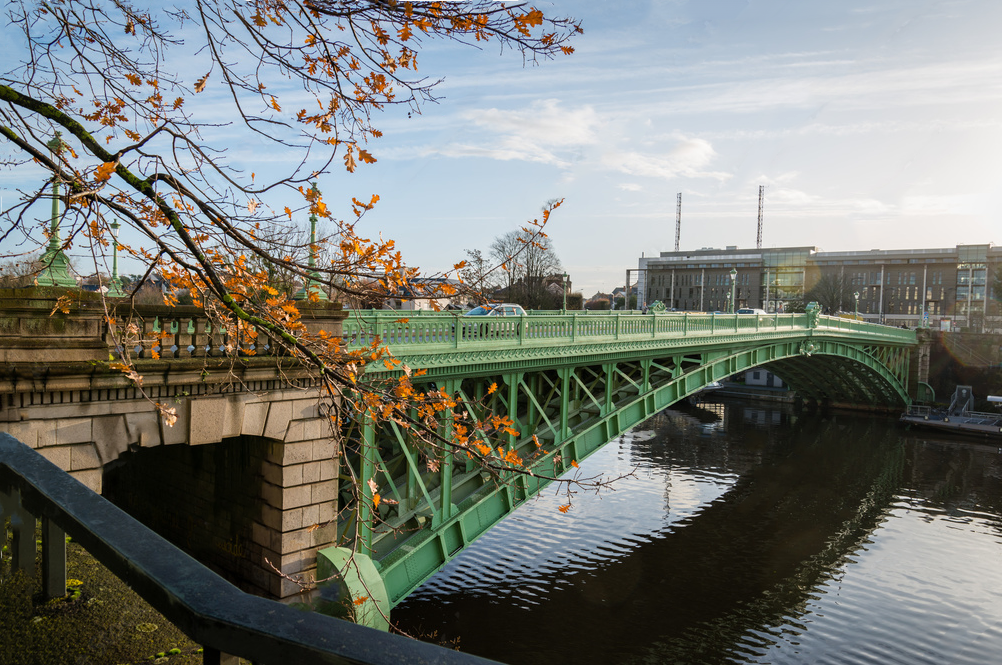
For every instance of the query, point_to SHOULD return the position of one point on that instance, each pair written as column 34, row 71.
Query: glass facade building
column 941, row 287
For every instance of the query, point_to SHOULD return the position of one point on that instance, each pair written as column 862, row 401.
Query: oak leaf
column 104, row 171
column 200, row 83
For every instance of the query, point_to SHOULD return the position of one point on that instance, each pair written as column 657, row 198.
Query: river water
column 746, row 535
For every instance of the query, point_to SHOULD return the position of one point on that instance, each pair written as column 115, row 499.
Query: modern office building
column 943, row 288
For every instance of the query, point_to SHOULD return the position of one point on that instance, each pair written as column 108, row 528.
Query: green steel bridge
column 574, row 382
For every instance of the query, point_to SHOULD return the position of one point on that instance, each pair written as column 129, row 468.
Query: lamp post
column 57, row 266
column 734, row 279
column 311, row 285
column 564, row 289
column 856, row 313
column 115, row 283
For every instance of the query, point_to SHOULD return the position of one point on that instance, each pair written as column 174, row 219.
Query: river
column 747, row 534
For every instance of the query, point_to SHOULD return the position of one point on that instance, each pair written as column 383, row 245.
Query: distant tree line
column 517, row 268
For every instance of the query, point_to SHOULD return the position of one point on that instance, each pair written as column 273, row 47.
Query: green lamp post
column 115, row 283
column 56, row 266
column 734, row 279
column 564, row 289
column 312, row 284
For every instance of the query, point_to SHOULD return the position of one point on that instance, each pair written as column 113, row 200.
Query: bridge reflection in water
column 839, row 539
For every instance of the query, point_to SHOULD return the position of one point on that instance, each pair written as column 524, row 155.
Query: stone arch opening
column 208, row 500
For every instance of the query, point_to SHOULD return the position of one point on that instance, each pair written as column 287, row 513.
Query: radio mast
column 678, row 221
column 761, row 196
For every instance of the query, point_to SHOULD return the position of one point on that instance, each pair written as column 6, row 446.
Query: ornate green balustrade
column 403, row 331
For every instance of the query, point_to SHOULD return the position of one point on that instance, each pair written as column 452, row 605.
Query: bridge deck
column 422, row 335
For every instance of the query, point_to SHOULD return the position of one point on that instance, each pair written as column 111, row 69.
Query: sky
column 870, row 124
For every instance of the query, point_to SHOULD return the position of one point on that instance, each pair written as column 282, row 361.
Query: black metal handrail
column 207, row 608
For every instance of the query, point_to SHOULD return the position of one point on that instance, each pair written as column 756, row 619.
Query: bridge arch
column 564, row 410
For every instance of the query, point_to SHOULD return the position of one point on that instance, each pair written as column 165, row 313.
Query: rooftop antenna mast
column 678, row 221
column 761, row 197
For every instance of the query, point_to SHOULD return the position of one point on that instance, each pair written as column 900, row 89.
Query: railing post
column 53, row 559
column 199, row 338
column 685, row 323
column 185, row 337
column 23, row 525
column 168, row 338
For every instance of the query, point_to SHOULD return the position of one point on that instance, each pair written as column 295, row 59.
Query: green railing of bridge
column 187, row 333
column 447, row 330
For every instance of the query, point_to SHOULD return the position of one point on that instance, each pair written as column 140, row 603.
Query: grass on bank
column 99, row 621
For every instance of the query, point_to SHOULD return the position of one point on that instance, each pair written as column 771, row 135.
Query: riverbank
column 101, row 620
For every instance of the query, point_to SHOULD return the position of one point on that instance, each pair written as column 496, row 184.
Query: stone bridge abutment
column 244, row 476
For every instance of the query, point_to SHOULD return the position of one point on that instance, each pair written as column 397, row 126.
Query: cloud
column 544, row 123
column 503, row 151
column 687, row 158
column 630, row 187
column 544, row 132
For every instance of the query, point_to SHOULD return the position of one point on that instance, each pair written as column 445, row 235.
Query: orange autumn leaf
column 564, row 508
column 104, row 171
column 493, row 389
column 62, row 305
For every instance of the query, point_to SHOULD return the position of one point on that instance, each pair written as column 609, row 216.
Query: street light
column 564, row 283
column 856, row 296
column 734, row 278
column 115, row 283
column 57, row 266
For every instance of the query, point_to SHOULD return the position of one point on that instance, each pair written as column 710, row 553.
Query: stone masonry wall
column 288, row 479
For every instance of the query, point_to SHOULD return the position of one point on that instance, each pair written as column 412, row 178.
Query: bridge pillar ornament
column 813, row 310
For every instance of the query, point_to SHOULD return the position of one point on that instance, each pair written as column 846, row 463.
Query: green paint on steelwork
column 577, row 381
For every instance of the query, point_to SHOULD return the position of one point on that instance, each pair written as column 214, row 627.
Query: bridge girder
column 563, row 412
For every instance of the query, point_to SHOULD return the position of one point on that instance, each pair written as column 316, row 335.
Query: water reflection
column 748, row 535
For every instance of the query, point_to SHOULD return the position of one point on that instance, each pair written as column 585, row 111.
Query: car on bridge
column 493, row 331
column 751, row 310
column 501, row 309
